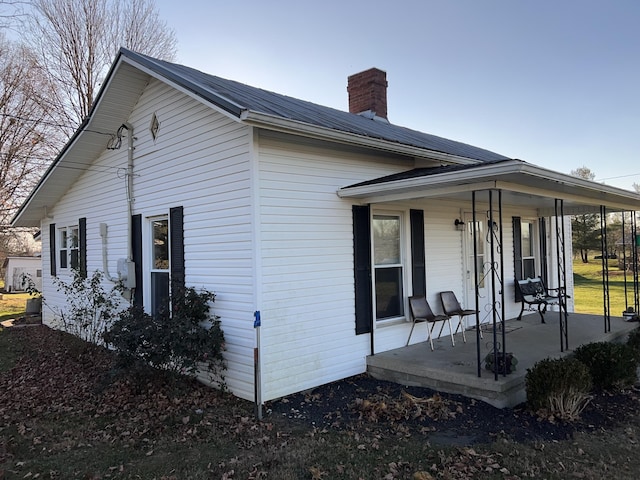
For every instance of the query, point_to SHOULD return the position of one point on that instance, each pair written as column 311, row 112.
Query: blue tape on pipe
column 256, row 321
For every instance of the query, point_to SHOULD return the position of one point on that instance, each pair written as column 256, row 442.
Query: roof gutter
column 482, row 176
column 272, row 122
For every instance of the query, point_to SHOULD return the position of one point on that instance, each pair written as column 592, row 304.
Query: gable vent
column 154, row 126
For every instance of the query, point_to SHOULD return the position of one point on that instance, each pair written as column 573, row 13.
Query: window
column 69, row 254
column 159, row 264
column 527, row 249
column 388, row 270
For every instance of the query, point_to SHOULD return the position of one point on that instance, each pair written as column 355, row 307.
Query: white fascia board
column 572, row 181
column 430, row 192
column 36, row 199
column 592, row 197
column 186, row 91
column 272, row 122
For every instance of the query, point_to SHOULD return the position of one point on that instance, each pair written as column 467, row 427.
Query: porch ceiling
column 522, row 184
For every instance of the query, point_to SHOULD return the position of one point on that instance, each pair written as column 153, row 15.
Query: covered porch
column 492, row 203
column 453, row 369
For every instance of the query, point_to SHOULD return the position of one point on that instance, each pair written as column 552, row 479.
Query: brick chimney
column 368, row 93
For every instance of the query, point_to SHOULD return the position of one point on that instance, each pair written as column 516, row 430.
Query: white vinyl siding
column 307, row 262
column 265, row 230
column 200, row 161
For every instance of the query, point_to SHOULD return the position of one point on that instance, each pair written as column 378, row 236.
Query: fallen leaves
column 64, row 397
column 380, row 407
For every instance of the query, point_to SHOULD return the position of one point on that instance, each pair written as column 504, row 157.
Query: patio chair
column 451, row 306
column 421, row 312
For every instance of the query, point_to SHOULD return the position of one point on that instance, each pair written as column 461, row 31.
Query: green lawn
column 13, row 305
column 588, row 291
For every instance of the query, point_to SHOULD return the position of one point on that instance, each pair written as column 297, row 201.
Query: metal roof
column 419, row 172
column 130, row 74
column 522, row 183
column 237, row 98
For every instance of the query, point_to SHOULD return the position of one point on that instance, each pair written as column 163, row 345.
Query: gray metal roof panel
column 422, row 172
column 234, row 97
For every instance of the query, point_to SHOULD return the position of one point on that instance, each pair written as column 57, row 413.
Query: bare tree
column 583, row 172
column 27, row 134
column 10, row 12
column 77, row 40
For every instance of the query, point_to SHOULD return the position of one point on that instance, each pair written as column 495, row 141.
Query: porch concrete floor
column 454, row 369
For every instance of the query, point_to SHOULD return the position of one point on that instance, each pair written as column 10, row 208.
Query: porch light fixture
column 459, row 225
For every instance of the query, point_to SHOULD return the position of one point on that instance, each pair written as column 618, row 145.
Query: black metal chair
column 421, row 312
column 451, row 306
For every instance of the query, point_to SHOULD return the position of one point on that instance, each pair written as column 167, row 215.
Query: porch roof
column 522, row 183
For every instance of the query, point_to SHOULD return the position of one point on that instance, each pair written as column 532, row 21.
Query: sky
column 553, row 82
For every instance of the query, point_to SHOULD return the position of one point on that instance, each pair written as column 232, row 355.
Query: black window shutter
column 544, row 273
column 136, row 244
column 517, row 253
column 82, row 260
column 176, row 243
column 362, row 268
column 52, row 248
column 418, row 267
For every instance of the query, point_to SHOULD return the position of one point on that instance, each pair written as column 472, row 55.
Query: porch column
column 475, row 281
column 604, row 249
column 629, row 232
column 495, row 271
column 634, row 249
column 562, row 276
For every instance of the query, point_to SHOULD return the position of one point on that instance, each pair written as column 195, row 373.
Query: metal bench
column 534, row 292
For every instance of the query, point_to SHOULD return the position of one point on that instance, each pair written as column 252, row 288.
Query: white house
column 17, row 268
column 318, row 223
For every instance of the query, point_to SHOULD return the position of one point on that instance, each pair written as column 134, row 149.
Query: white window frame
column 66, row 247
column 535, row 247
column 404, row 238
column 149, row 259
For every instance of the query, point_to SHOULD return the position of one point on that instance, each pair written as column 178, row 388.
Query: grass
column 588, row 292
column 13, row 305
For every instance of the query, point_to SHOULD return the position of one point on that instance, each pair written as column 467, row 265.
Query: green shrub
column 610, row 364
column 185, row 339
column 560, row 386
column 633, row 340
